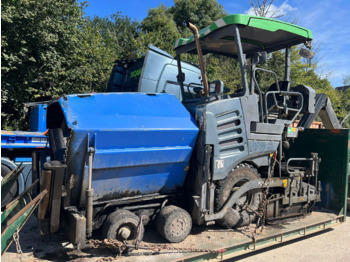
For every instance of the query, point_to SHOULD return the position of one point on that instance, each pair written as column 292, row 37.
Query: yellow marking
column 284, row 182
column 271, row 154
column 294, row 129
column 302, row 198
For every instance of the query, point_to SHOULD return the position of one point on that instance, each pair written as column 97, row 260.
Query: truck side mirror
column 216, row 87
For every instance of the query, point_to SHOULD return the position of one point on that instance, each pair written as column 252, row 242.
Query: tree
column 345, row 100
column 159, row 29
column 225, row 69
column 266, row 8
column 40, row 39
column 49, row 49
column 346, row 80
column 199, row 12
column 126, row 32
column 93, row 59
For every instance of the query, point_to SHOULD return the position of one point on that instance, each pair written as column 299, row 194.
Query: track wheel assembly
column 242, row 212
column 122, row 225
column 173, row 223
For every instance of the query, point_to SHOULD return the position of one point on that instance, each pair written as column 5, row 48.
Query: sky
column 327, row 19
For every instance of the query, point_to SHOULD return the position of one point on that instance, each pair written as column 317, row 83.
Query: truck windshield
column 125, row 76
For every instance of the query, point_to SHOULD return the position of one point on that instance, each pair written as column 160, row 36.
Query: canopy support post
column 241, row 59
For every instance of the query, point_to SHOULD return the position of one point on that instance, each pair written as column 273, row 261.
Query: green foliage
column 346, row 80
column 345, row 97
column 40, row 41
column 160, row 29
column 225, row 69
column 125, row 36
column 345, row 101
column 49, row 49
column 199, row 12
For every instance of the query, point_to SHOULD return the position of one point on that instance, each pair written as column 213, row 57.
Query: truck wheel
column 122, row 225
column 174, row 223
column 239, row 214
column 12, row 193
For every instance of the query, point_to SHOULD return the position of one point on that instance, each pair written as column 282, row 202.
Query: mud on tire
column 122, row 225
column 173, row 223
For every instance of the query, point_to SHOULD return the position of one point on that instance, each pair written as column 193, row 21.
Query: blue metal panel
column 23, row 159
column 38, row 118
column 143, row 143
column 21, row 139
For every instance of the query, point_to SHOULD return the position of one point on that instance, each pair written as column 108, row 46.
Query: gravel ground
column 332, row 244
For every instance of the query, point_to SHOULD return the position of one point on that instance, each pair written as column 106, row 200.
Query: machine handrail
column 286, row 108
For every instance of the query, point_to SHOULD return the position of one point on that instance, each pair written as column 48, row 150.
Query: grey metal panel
column 283, row 122
column 159, row 74
column 264, row 137
column 266, row 128
column 328, row 116
column 250, row 110
column 307, row 119
column 225, row 130
column 260, row 160
column 309, row 95
column 259, row 148
column 158, row 50
column 324, row 109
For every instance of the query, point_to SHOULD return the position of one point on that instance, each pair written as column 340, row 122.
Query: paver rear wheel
column 174, row 223
column 238, row 215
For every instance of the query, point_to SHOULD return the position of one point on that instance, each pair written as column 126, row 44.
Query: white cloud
column 274, row 11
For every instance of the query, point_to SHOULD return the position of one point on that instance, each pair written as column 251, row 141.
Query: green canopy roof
column 257, row 34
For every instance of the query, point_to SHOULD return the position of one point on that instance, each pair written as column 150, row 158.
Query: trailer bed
column 219, row 239
column 234, row 242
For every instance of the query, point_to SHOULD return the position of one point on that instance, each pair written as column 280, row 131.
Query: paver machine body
column 125, row 156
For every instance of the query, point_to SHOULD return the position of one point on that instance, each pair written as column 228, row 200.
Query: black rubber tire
column 174, row 223
column 13, row 190
column 119, row 219
column 145, row 214
column 238, row 216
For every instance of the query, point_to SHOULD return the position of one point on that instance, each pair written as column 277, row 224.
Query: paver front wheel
column 122, row 225
column 174, row 223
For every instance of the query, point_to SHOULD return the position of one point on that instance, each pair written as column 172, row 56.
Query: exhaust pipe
column 200, row 58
